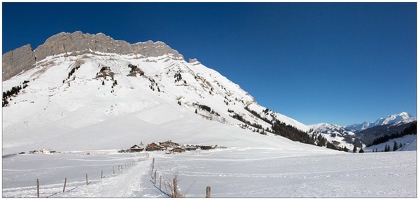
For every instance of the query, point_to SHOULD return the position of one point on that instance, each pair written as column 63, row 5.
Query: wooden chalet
column 136, row 148
column 178, row 150
column 169, row 143
column 190, row 148
column 153, row 147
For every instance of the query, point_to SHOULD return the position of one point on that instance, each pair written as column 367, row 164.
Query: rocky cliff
column 24, row 58
column 15, row 61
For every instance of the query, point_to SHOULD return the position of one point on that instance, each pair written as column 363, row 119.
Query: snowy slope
column 88, row 109
column 408, row 144
column 87, row 106
column 335, row 134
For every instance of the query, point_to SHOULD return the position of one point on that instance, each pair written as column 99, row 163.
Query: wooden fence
column 121, row 167
column 170, row 187
column 166, row 186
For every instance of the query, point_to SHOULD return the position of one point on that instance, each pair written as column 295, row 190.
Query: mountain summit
column 402, row 117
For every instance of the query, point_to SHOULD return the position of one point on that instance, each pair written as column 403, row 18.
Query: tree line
column 290, row 132
column 410, row 130
column 13, row 92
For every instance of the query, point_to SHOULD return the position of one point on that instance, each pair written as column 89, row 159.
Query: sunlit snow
column 87, row 120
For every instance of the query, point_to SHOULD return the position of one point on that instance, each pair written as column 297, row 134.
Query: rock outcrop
column 78, row 43
column 14, row 62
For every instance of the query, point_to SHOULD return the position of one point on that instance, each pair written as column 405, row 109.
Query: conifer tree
column 345, row 149
column 387, row 148
column 395, row 146
column 354, row 150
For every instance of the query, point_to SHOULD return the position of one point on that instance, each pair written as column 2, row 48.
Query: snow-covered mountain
column 89, row 99
column 363, row 134
column 335, row 134
column 87, row 96
column 402, row 117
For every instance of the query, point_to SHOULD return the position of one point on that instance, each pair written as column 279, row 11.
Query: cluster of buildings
column 168, row 146
column 42, row 151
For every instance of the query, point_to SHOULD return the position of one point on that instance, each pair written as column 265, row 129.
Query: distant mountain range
column 364, row 133
column 402, row 117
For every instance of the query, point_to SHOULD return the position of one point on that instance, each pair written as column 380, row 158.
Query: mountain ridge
column 402, row 117
column 78, row 43
column 132, row 84
column 76, row 93
column 362, row 137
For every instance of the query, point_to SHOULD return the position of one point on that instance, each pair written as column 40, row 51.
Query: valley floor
column 231, row 172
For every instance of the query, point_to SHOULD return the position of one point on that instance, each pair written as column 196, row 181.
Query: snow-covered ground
column 88, row 118
column 408, row 144
column 231, row 172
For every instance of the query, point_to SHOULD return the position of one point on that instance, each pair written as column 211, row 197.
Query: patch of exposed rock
column 77, row 43
column 14, row 62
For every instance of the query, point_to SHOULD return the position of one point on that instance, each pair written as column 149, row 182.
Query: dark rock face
column 22, row 58
column 78, row 43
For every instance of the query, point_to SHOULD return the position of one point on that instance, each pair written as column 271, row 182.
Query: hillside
column 335, row 134
column 95, row 100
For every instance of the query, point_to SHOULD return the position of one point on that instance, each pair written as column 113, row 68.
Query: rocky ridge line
column 77, row 43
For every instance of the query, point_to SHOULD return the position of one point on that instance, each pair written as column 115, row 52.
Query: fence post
column 87, row 182
column 208, row 192
column 160, row 182
column 101, row 174
column 152, row 166
column 65, row 183
column 37, row 188
column 155, row 172
column 113, row 170
column 174, row 188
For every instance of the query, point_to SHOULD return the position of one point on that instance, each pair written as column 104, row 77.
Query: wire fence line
column 169, row 187
column 65, row 186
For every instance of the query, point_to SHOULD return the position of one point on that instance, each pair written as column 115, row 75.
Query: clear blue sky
column 340, row 63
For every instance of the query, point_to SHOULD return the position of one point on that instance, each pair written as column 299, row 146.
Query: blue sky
column 340, row 63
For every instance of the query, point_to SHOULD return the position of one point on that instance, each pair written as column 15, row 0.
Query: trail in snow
column 124, row 181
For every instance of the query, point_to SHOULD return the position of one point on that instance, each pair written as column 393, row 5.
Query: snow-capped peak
column 402, row 117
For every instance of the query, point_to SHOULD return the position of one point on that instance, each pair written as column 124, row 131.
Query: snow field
column 268, row 173
column 21, row 171
column 230, row 172
column 408, row 144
